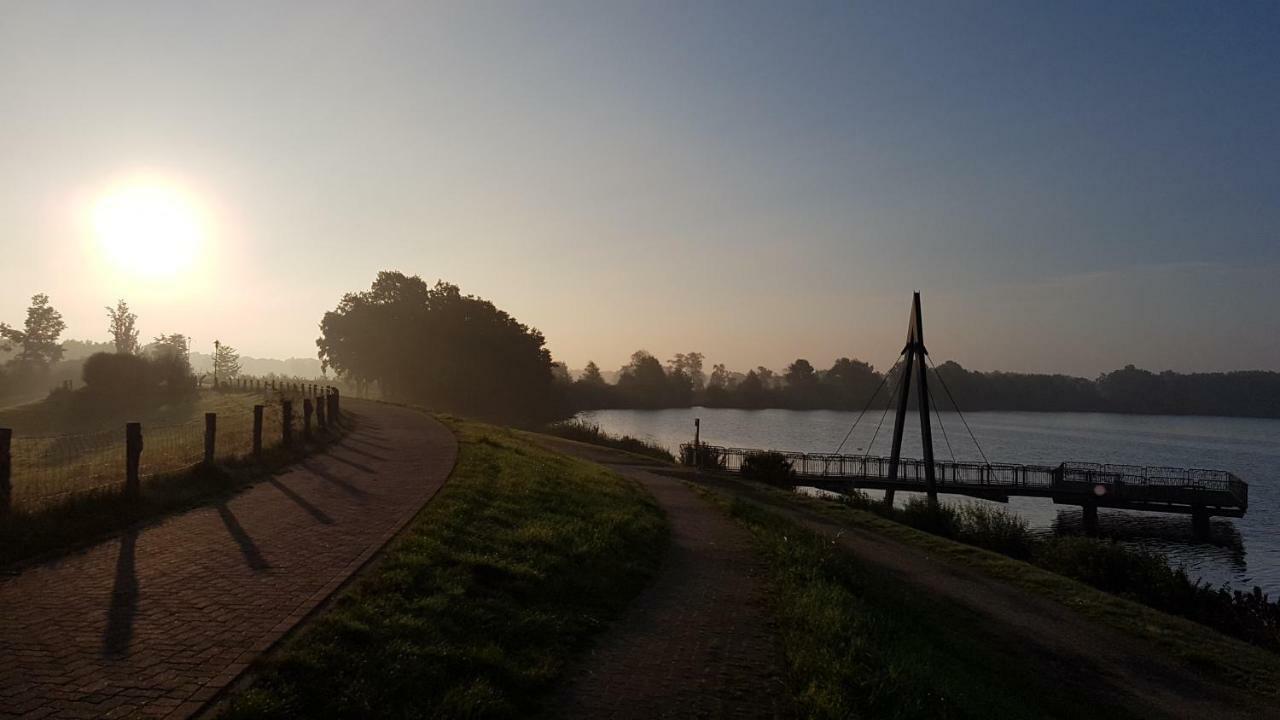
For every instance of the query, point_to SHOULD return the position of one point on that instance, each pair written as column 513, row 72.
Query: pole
column 257, row 430
column 210, row 436
column 899, row 421
column 306, row 419
column 697, row 444
column 6, row 470
column 132, row 458
column 286, row 417
column 926, row 430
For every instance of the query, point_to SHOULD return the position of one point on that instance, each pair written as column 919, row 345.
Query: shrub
column 768, row 467
column 705, row 457
column 119, row 374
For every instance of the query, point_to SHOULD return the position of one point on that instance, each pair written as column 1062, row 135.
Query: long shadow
column 312, row 510
column 360, row 451
column 252, row 555
column 323, row 474
column 370, row 443
column 124, row 600
column 359, row 466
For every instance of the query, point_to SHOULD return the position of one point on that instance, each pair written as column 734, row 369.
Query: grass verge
column 476, row 610
column 591, row 433
column 860, row 643
column 1223, row 658
column 85, row 517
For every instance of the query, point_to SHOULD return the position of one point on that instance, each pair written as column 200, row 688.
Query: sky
column 1071, row 186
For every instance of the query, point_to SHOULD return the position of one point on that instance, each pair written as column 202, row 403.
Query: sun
column 148, row 230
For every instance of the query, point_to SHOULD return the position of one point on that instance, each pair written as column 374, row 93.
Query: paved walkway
column 157, row 622
column 699, row 642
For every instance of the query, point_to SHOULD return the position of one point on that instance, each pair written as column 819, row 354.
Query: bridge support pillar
column 1090, row 519
column 1200, row 523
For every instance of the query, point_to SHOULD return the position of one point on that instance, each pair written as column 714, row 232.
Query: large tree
column 124, row 332
column 37, row 342
column 440, row 348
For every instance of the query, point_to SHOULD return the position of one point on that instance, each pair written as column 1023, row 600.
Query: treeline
column 851, row 384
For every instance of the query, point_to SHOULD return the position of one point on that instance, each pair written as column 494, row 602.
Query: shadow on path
column 248, row 548
column 301, row 502
column 320, row 472
column 359, row 466
column 361, row 451
column 124, row 600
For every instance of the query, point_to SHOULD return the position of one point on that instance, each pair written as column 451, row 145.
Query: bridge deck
column 1158, row 489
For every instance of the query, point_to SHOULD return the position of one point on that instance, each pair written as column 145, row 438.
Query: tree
column 226, row 362
column 37, row 341
column 123, row 330
column 170, row 357
column 437, row 347
column 174, row 345
column 689, row 364
column 591, row 374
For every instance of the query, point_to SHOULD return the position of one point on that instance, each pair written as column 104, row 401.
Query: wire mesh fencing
column 45, row 468
column 42, row 470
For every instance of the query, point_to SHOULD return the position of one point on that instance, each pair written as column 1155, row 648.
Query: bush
column 705, row 457
column 117, row 374
column 772, row 468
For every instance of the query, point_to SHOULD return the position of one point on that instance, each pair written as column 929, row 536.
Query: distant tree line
column 850, row 384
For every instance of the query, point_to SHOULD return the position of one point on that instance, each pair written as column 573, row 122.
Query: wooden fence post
column 286, row 422
column 6, row 470
column 132, row 458
column 210, row 436
column 335, row 410
column 306, row 419
column 257, row 430
column 321, row 422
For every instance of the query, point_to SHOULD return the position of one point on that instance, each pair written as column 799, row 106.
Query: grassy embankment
column 1212, row 653
column 476, row 610
column 85, row 510
column 591, row 433
column 861, row 643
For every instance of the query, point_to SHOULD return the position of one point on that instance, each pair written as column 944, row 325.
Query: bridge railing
column 1183, row 484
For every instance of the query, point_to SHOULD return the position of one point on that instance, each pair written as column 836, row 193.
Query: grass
column 481, row 604
column 591, row 433
column 1224, row 658
column 859, row 643
column 49, row 417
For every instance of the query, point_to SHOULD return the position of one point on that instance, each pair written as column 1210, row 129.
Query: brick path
column 699, row 643
column 157, row 622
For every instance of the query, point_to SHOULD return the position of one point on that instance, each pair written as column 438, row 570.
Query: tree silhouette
column 437, row 347
column 122, row 328
column 226, row 362
column 37, row 341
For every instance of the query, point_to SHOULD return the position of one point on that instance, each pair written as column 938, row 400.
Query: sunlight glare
column 148, row 230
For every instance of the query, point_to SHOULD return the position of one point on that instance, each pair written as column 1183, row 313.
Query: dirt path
column 157, row 622
column 1104, row 667
column 1101, row 665
column 698, row 643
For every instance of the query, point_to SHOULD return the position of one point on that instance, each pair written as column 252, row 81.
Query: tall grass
column 586, row 432
column 1135, row 573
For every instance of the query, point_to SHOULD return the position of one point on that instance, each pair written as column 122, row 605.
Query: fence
column 40, row 470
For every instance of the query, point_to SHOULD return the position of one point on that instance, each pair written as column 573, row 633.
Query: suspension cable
column 864, row 411
column 896, row 387
column 958, row 412
column 941, row 427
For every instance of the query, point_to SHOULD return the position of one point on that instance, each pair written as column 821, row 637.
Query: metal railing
column 1122, row 481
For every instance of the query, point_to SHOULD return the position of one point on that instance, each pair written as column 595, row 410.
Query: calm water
column 1244, row 552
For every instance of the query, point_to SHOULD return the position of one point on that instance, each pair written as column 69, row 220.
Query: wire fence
column 42, row 470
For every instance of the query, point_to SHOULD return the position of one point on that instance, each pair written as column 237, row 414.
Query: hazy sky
column 1073, row 186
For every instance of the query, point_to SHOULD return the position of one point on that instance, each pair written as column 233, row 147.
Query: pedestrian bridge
column 1200, row 493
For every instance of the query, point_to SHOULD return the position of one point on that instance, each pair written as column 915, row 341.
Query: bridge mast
column 915, row 353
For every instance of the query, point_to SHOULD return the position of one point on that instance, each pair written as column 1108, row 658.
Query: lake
column 1244, row 552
